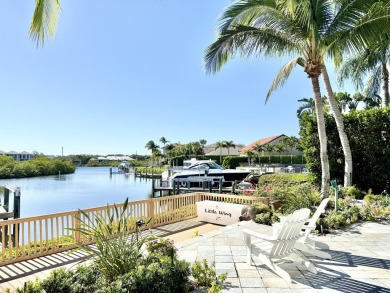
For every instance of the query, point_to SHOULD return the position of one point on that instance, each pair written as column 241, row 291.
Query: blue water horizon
column 88, row 187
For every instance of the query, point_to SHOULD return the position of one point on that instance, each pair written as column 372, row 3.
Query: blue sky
column 121, row 73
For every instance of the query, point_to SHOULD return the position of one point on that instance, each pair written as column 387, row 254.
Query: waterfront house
column 18, row 156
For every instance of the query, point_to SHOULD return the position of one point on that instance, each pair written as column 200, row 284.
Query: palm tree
column 308, row 107
column 45, row 20
column 229, row 144
column 163, row 141
column 269, row 148
column 280, row 148
column 292, row 142
column 372, row 63
column 308, row 29
column 151, row 146
column 259, row 148
column 202, row 143
column 220, row 145
column 249, row 154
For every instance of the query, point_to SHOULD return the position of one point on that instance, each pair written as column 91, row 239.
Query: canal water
column 86, row 188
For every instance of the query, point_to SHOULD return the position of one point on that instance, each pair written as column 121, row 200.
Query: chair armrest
column 309, row 227
column 259, row 235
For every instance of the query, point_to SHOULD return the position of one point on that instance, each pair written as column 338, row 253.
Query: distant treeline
column 41, row 166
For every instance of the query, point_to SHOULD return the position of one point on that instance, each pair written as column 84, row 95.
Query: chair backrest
column 289, row 232
column 317, row 214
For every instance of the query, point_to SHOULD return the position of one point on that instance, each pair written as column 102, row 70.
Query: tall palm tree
column 292, row 142
column 308, row 29
column 202, row 143
column 371, row 63
column 280, row 148
column 269, row 148
column 249, row 154
column 151, row 146
column 220, row 145
column 259, row 148
column 229, row 144
column 45, row 20
column 163, row 141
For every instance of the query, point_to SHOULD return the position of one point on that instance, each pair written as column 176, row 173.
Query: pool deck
column 360, row 260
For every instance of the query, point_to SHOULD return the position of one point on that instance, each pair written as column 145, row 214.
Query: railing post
column 76, row 218
column 151, row 212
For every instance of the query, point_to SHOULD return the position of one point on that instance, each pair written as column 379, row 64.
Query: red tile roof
column 261, row 141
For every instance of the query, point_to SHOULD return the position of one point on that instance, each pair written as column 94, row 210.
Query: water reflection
column 86, row 188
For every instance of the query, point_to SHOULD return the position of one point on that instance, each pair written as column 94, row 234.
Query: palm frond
column 359, row 28
column 373, row 84
column 243, row 12
column 283, row 75
column 45, row 20
column 249, row 41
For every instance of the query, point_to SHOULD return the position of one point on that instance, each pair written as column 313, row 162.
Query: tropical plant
column 249, row 154
column 116, row 251
column 220, row 145
column 151, row 146
column 45, row 20
column 308, row 29
column 269, row 148
column 280, row 148
column 371, row 62
column 229, row 144
column 259, row 148
column 292, row 142
column 308, row 107
column 205, row 275
column 202, row 144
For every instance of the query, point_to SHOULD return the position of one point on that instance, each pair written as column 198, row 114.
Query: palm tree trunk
column 340, row 128
column 385, row 85
column 325, row 177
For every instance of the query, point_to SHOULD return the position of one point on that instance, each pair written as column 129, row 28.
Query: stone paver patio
column 360, row 261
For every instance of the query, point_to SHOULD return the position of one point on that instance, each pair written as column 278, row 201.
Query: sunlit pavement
column 360, row 261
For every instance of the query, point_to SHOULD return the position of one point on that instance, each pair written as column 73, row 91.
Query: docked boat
column 193, row 169
column 124, row 167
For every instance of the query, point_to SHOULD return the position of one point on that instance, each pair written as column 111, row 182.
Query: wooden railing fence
column 27, row 238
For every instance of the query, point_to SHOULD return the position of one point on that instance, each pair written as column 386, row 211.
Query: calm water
column 88, row 187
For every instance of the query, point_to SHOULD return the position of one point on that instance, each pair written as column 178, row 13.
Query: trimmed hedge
column 369, row 137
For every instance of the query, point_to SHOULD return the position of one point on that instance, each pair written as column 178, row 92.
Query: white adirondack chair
column 281, row 245
column 306, row 244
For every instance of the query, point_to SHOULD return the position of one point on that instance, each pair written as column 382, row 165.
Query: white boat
column 124, row 167
column 204, row 168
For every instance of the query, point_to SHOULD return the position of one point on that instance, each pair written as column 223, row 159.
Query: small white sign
column 219, row 212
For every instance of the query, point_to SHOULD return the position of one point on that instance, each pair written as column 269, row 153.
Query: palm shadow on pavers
column 347, row 259
column 342, row 282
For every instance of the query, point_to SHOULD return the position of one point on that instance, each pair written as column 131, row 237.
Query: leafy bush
column 40, row 166
column 116, row 251
column 205, row 276
column 369, row 135
column 261, row 213
column 161, row 246
column 303, row 196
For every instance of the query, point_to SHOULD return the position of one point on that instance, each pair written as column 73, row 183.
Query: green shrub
column 58, row 281
column 116, row 251
column 161, row 246
column 150, row 276
column 30, row 287
column 205, row 276
column 303, row 196
column 369, row 135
